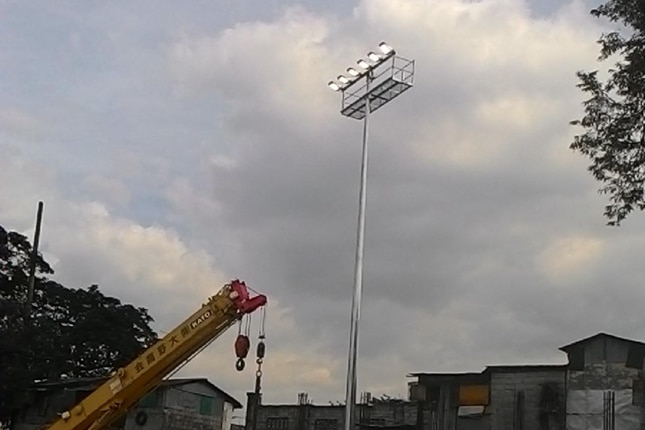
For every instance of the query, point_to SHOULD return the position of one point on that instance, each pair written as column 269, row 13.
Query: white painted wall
column 227, row 416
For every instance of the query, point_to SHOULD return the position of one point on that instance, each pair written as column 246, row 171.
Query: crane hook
column 239, row 364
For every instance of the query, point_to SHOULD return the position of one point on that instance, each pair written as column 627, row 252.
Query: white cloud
column 21, row 123
column 475, row 147
column 238, row 164
column 293, row 363
column 112, row 190
column 570, row 256
column 140, row 264
column 269, row 62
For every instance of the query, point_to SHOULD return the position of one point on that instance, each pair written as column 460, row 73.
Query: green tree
column 70, row 333
column 614, row 119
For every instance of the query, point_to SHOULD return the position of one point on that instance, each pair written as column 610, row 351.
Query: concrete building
column 600, row 388
column 177, row 404
column 500, row 397
column 605, row 383
column 371, row 414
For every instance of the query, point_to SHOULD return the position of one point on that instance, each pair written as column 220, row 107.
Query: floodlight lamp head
column 363, row 64
column 333, row 85
column 374, row 56
column 385, row 48
column 352, row 71
column 342, row 79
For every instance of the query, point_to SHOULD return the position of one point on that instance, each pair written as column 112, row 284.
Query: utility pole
column 32, row 262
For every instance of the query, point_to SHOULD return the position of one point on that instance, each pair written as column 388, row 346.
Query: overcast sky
column 177, row 146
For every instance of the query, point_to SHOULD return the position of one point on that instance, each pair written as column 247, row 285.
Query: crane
column 128, row 384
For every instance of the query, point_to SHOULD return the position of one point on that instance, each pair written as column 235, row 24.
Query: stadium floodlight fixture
column 363, row 64
column 374, row 57
column 352, row 71
column 342, row 79
column 333, row 85
column 385, row 48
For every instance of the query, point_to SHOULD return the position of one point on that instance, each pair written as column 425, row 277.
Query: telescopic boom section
column 129, row 384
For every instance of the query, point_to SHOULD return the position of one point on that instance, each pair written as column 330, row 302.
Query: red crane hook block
column 242, row 346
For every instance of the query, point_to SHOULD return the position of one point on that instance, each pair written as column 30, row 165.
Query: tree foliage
column 614, row 120
column 70, row 332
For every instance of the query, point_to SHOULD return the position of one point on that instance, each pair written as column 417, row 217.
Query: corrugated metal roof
column 524, row 368
column 565, row 348
column 446, row 374
column 93, row 382
column 183, row 381
column 464, row 376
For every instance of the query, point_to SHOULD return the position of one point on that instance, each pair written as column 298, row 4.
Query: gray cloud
column 443, row 225
column 182, row 152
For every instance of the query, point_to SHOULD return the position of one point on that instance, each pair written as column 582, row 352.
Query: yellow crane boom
column 128, row 384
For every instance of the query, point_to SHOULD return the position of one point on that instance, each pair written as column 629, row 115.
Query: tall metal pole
column 34, row 255
column 350, row 397
column 390, row 83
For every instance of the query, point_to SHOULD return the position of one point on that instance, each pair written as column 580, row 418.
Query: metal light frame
column 384, row 76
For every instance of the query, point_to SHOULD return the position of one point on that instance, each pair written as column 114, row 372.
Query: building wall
column 298, row 417
column 45, row 407
column 443, row 414
column 227, row 416
column 517, row 399
column 155, row 419
column 392, row 414
column 184, row 420
column 332, row 417
column 443, row 395
column 482, row 423
column 605, row 350
column 605, row 371
column 191, row 406
column 192, row 398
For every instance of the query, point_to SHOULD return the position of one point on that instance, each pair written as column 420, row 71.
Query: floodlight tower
column 385, row 76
